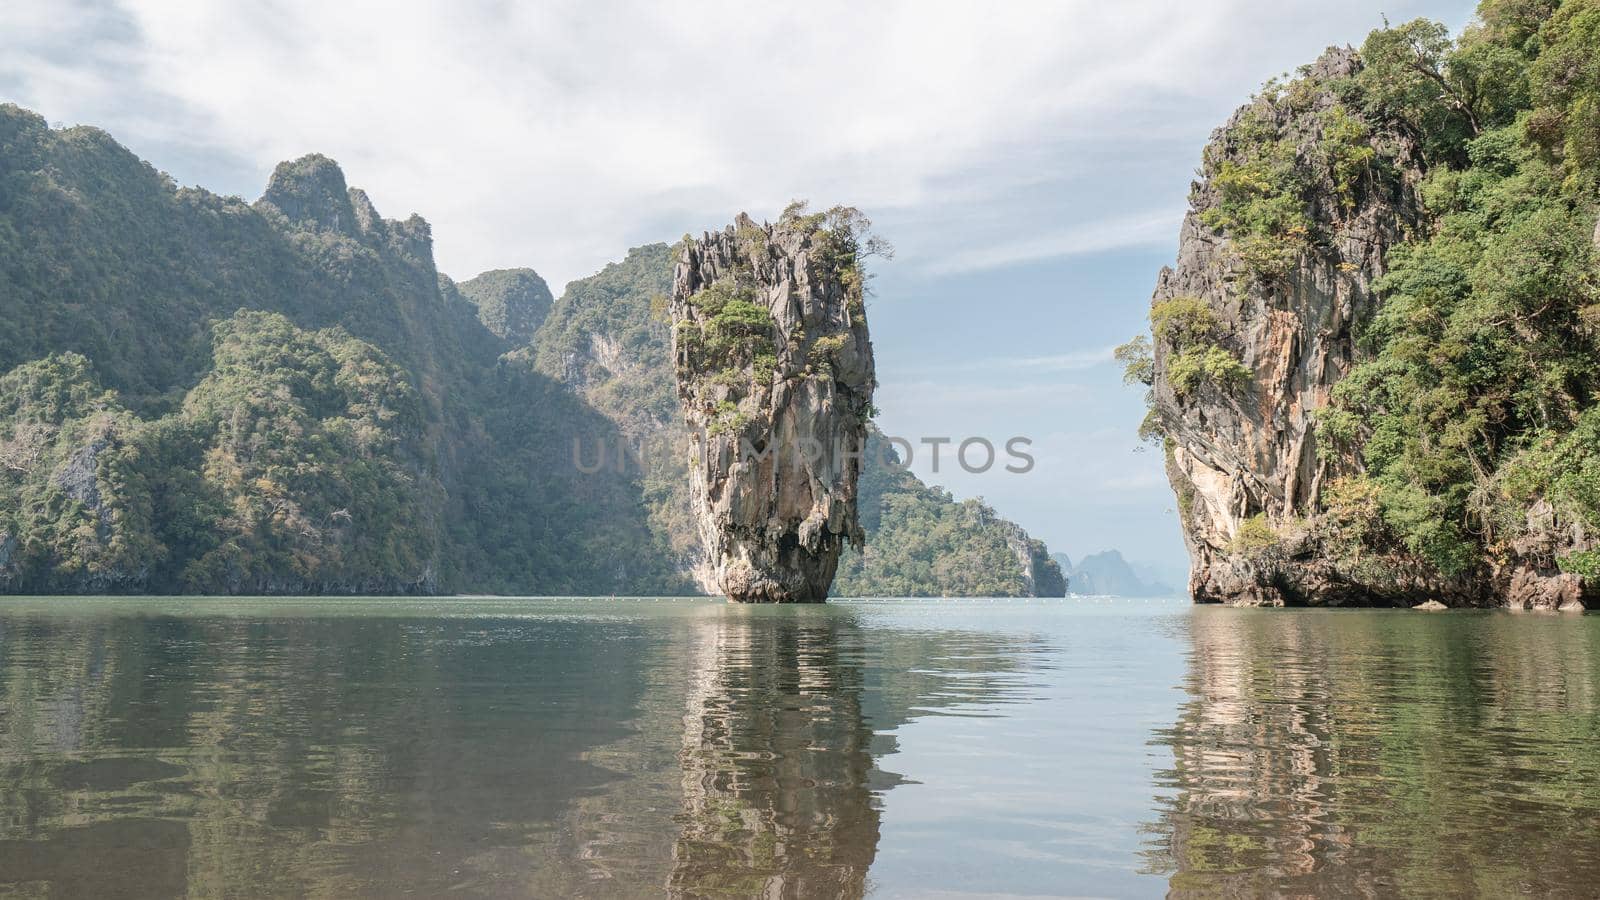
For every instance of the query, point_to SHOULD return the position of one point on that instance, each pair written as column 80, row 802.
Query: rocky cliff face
column 1289, row 233
column 1240, row 442
column 775, row 380
column 1041, row 576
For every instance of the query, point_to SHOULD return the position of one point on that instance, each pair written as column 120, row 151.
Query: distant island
column 1107, row 574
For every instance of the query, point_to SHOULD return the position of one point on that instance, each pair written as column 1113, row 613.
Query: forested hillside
column 922, row 542
column 202, row 394
column 364, row 438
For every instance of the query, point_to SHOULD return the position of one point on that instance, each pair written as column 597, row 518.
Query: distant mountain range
column 1107, row 573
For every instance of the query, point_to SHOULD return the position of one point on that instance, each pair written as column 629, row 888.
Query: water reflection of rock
column 294, row 757
column 776, row 717
column 1373, row 755
column 775, row 763
column 727, row 751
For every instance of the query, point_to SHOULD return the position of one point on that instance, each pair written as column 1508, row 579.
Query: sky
column 1029, row 160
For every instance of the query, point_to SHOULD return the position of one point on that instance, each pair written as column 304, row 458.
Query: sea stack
column 775, row 380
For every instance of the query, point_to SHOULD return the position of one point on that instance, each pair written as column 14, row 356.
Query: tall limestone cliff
column 1371, row 367
column 1251, row 328
column 775, row 380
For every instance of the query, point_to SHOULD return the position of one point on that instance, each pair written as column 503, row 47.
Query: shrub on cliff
column 1262, row 198
column 1190, row 330
column 1255, row 535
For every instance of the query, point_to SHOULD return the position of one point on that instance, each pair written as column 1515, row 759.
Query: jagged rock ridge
column 775, row 380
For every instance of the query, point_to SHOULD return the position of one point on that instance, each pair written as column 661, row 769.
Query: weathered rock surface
column 775, row 380
column 1245, row 458
column 1042, row 575
column 1235, row 454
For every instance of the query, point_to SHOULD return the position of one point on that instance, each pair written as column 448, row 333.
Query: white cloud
column 555, row 134
column 1140, row 230
column 1014, row 366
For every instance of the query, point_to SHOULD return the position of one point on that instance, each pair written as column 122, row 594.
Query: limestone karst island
column 444, row 452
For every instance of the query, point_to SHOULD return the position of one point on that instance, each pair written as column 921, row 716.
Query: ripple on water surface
column 635, row 747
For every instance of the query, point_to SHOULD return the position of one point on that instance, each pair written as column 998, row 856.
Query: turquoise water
column 487, row 748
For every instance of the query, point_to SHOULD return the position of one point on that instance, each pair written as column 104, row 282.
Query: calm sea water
column 615, row 748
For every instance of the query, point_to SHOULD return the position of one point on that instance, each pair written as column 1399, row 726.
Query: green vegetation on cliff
column 1480, row 396
column 735, row 337
column 1191, row 329
column 1262, row 196
column 923, row 543
column 364, row 438
column 293, row 463
column 1395, row 257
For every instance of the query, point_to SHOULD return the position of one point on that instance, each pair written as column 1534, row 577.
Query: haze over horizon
column 1030, row 163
